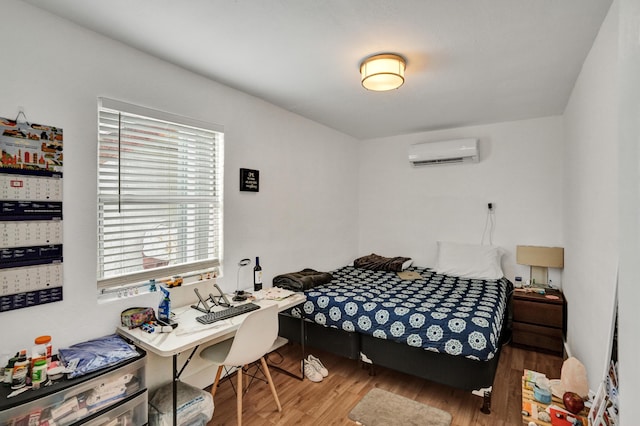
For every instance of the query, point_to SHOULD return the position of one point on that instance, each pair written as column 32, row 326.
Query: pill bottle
column 20, row 371
column 44, row 348
column 8, row 370
column 38, row 373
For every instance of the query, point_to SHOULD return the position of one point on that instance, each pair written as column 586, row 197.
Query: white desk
column 190, row 334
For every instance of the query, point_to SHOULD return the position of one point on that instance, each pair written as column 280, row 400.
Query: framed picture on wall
column 604, row 410
column 598, row 407
column 249, row 180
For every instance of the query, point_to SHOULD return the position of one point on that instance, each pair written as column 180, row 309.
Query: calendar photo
column 29, row 146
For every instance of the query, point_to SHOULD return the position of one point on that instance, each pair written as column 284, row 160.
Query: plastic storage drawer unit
column 133, row 412
column 79, row 400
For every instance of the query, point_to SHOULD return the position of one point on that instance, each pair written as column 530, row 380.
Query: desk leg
column 176, row 377
column 175, row 390
column 302, row 339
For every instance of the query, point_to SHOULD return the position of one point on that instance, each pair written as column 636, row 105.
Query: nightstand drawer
column 538, row 337
column 540, row 313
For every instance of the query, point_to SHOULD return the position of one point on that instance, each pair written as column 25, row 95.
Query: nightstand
column 539, row 322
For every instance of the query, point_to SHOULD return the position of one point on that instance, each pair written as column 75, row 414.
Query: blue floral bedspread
column 457, row 316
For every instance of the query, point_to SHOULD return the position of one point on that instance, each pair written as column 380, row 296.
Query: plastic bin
column 195, row 406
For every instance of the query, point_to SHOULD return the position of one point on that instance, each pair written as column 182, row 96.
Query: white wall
column 404, row 211
column 591, row 201
column 304, row 215
column 629, row 205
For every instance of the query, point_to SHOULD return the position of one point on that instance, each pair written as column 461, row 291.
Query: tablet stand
column 219, row 300
column 205, row 307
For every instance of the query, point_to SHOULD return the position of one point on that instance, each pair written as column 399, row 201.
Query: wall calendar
column 30, row 214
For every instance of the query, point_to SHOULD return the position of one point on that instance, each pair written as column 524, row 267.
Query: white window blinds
column 159, row 194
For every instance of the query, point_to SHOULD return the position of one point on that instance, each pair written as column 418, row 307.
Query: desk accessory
column 167, row 323
column 274, row 293
column 164, row 310
column 233, row 311
column 221, row 299
column 135, row 317
column 240, row 296
column 205, row 307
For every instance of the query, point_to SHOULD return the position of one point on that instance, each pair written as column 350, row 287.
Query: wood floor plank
column 330, row 401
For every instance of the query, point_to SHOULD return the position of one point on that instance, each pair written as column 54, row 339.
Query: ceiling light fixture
column 383, row 72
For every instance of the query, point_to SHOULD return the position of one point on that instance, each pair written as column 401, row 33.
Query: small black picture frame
column 250, row 180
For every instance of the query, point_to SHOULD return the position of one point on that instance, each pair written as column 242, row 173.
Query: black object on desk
column 168, row 322
column 227, row 313
column 240, row 296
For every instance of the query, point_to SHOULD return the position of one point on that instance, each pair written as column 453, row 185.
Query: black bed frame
column 458, row 372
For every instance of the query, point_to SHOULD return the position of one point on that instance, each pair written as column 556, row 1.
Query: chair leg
column 214, row 387
column 270, row 380
column 239, row 395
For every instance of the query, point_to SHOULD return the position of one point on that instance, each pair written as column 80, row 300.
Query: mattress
column 439, row 313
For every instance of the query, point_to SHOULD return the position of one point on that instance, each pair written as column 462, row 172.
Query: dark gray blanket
column 302, row 280
column 375, row 262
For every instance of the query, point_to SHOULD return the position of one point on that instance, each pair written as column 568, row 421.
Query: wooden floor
column 330, row 401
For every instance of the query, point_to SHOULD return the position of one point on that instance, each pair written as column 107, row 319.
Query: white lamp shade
column 382, row 72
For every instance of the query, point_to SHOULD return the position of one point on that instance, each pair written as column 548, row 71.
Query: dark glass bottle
column 257, row 276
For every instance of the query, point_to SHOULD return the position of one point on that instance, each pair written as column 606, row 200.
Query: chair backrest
column 254, row 337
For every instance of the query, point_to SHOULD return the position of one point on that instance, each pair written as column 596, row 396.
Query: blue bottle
column 164, row 310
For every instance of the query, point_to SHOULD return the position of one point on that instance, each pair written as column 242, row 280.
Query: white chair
column 254, row 338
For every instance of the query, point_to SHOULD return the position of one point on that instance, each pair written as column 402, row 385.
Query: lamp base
column 239, row 296
column 539, row 276
column 540, row 285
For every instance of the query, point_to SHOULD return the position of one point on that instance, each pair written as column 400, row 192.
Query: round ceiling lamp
column 383, row 72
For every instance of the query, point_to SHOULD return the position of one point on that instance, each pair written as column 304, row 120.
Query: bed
column 444, row 328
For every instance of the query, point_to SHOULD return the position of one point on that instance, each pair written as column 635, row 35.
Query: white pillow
column 407, row 263
column 469, row 261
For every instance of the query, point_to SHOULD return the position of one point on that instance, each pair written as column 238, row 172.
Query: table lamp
column 239, row 295
column 540, row 259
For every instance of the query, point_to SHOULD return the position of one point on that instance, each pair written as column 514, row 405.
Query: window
column 159, row 194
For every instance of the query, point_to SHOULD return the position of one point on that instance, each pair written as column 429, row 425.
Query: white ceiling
column 468, row 61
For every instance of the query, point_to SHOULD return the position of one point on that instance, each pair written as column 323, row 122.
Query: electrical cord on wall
column 490, row 224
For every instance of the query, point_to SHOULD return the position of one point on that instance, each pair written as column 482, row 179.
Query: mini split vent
column 444, row 152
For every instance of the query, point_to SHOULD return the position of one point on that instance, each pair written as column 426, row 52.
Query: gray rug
column 382, row 408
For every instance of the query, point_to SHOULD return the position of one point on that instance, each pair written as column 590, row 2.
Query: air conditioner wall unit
column 444, row 152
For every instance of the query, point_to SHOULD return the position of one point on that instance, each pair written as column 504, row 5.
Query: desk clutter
column 25, row 369
column 23, row 372
column 145, row 318
column 81, row 381
column 556, row 402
